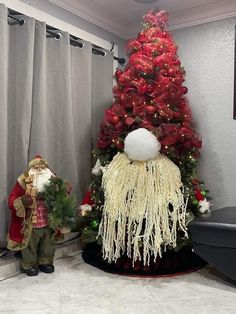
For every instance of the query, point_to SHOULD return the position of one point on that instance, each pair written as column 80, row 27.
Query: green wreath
column 60, row 204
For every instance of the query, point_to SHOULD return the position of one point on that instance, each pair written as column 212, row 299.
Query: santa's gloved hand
column 27, row 200
column 65, row 230
column 68, row 187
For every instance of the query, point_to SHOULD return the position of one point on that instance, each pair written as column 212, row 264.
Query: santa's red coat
column 21, row 222
column 87, row 199
column 16, row 225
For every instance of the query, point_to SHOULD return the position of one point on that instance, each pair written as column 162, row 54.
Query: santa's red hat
column 37, row 160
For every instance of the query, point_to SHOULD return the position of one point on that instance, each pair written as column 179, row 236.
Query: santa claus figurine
column 29, row 231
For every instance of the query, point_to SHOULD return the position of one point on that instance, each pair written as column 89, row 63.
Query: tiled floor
column 76, row 287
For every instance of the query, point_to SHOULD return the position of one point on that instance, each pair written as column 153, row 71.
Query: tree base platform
column 171, row 264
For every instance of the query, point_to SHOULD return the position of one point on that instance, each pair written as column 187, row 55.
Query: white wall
column 207, row 54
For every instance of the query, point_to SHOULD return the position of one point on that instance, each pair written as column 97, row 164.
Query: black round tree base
column 171, row 263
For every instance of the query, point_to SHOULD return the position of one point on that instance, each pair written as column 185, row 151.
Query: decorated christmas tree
column 149, row 94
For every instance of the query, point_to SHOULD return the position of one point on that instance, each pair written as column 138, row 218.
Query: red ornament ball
column 150, row 110
column 114, row 119
column 184, row 90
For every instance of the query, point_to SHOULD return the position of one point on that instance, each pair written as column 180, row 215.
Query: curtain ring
column 58, row 36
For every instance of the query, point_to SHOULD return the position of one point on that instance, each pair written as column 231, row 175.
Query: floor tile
column 33, row 311
column 108, row 308
column 23, row 292
column 87, row 309
column 76, row 287
column 200, row 306
column 201, row 284
column 94, row 290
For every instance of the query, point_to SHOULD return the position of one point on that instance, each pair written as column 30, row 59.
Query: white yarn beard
column 40, row 178
column 144, row 207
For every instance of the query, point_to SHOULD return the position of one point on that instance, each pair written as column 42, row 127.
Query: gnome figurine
column 144, row 202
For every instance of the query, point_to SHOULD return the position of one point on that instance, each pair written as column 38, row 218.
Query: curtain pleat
column 16, row 72
column 52, row 131
column 81, row 71
column 53, row 97
column 3, row 123
column 102, row 83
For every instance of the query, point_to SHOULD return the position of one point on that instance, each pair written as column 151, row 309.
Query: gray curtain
column 101, row 89
column 47, row 105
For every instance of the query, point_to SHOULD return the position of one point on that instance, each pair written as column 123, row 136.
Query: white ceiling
column 123, row 17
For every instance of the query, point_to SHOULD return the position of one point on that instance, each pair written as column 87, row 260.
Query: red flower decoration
column 118, row 73
column 133, row 46
column 112, row 117
column 116, row 91
column 141, row 62
column 140, row 85
column 129, row 121
column 103, row 142
column 152, row 34
column 199, row 195
column 169, row 134
column 159, row 19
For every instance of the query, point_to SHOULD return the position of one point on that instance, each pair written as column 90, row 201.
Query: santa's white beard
column 40, row 178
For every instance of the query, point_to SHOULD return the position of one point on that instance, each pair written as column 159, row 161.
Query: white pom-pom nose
column 141, row 145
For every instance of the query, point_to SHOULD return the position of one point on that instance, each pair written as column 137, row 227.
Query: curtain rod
column 73, row 40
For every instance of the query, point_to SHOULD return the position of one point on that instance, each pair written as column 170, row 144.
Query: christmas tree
column 150, row 94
